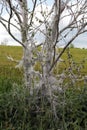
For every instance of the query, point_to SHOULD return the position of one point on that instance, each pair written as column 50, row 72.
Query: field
column 7, row 67
column 79, row 56
column 21, row 111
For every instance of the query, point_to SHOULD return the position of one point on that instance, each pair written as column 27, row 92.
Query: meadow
column 7, row 67
column 21, row 111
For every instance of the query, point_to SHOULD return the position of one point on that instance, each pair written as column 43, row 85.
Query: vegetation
column 21, row 111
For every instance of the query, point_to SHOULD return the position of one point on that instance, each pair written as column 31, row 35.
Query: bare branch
column 10, row 23
column 33, row 12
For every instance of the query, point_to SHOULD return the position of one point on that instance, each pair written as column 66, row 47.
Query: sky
column 79, row 42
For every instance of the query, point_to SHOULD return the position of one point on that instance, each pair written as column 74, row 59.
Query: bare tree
column 22, row 16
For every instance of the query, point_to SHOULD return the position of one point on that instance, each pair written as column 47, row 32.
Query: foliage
column 75, row 109
column 21, row 111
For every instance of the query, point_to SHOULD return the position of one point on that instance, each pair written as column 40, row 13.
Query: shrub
column 21, row 111
column 76, row 110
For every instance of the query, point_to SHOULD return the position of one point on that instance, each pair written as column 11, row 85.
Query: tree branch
column 63, row 50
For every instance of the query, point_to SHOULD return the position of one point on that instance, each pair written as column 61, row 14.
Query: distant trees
column 4, row 42
column 55, row 24
column 71, row 46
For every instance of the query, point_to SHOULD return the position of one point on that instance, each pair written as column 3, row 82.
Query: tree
column 24, row 19
column 71, row 46
column 4, row 42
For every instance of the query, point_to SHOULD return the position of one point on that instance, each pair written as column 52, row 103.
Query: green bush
column 21, row 111
column 5, row 85
column 75, row 109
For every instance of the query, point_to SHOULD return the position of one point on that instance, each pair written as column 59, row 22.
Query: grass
column 7, row 67
column 77, row 55
column 14, row 51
